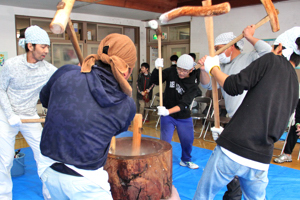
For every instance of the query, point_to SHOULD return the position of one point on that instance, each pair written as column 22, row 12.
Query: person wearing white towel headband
column 21, row 80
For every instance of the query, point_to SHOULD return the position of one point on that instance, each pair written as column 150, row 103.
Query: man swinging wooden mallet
column 181, row 86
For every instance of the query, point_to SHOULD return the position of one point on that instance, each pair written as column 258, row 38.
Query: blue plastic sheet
column 284, row 183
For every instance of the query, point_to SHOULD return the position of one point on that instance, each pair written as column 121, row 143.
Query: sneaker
column 283, row 158
column 191, row 165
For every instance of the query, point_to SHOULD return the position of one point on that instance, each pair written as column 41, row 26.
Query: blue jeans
column 185, row 132
column 220, row 170
column 64, row 187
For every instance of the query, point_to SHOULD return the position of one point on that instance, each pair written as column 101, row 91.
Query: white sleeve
column 4, row 82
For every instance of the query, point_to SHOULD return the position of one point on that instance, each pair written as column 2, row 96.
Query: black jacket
column 178, row 92
column 262, row 117
column 142, row 84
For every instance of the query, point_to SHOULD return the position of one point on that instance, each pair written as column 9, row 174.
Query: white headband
column 35, row 35
column 225, row 38
column 288, row 40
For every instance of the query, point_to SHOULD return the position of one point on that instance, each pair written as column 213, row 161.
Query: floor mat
column 284, row 182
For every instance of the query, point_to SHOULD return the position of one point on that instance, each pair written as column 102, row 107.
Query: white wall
column 236, row 20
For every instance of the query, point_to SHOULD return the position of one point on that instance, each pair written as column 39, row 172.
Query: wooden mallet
column 154, row 25
column 272, row 16
column 136, row 137
column 207, row 11
column 137, row 134
column 211, row 49
column 62, row 22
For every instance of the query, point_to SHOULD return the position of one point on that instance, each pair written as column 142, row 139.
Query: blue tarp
column 284, row 183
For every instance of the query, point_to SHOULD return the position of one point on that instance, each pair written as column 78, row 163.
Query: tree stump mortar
column 140, row 177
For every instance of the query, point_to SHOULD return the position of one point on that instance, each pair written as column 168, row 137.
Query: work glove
column 216, row 132
column 14, row 120
column 159, row 62
column 162, row 111
column 211, row 62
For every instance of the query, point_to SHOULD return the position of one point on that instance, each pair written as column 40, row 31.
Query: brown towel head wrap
column 121, row 56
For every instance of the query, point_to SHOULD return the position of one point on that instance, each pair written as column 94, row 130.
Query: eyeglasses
column 184, row 71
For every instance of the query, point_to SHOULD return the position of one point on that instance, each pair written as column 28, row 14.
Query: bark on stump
column 145, row 176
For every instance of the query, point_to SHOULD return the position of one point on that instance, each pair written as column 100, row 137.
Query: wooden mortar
column 144, row 176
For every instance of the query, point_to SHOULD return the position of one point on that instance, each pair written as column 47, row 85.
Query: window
column 89, row 35
column 179, row 32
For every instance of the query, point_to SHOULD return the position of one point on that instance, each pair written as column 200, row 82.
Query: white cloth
column 246, row 162
column 32, row 134
column 21, row 83
column 225, row 38
column 159, row 62
column 153, row 24
column 287, row 39
column 35, row 35
column 185, row 61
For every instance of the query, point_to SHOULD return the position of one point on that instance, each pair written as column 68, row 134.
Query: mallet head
column 153, row 24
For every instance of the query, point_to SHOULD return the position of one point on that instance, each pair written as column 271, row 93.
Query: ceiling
column 131, row 9
column 162, row 6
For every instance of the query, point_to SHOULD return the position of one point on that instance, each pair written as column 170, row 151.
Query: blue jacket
column 85, row 110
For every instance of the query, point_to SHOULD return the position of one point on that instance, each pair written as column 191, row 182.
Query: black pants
column 234, row 191
column 291, row 140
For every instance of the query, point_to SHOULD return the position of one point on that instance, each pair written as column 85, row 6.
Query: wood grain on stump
column 146, row 176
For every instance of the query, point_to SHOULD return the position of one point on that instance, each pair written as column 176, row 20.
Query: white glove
column 162, row 111
column 159, row 62
column 216, row 132
column 14, row 120
column 211, row 62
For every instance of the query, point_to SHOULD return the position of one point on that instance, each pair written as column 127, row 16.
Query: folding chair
column 285, row 141
column 210, row 120
column 288, row 130
column 199, row 115
column 153, row 108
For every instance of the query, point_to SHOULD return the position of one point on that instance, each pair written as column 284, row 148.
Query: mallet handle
column 160, row 73
column 137, row 134
column 41, row 120
column 159, row 34
column 73, row 38
column 112, row 148
column 209, row 26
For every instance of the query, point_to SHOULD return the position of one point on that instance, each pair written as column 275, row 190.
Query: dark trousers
column 234, row 191
column 291, row 140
